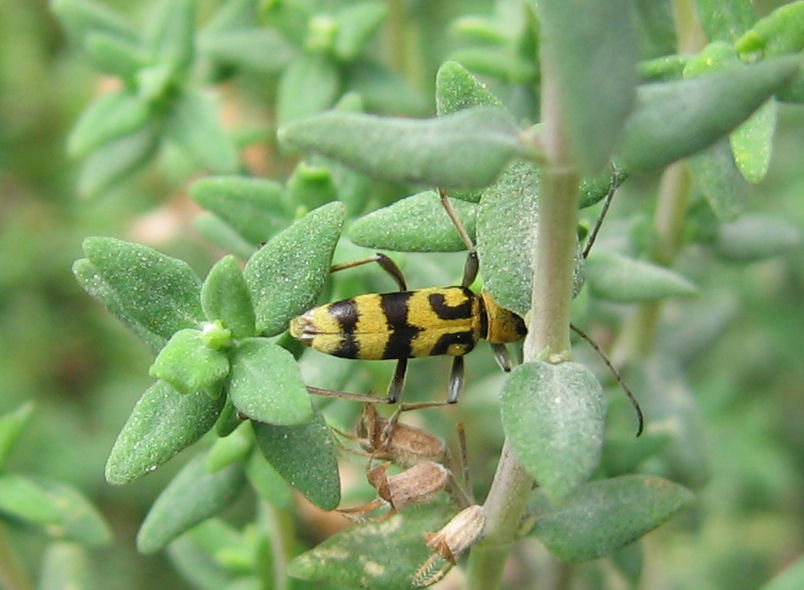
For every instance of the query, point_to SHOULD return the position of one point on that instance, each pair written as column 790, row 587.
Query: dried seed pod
column 398, row 442
column 449, row 544
column 416, row 485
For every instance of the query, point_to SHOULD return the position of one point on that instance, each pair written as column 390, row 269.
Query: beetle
column 425, row 322
column 411, row 323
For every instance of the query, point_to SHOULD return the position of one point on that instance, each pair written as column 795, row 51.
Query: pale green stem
column 552, row 259
column 12, row 575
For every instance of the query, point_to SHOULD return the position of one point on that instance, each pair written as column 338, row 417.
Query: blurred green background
column 84, row 371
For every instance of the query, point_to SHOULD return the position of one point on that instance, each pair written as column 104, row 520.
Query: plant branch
column 554, row 250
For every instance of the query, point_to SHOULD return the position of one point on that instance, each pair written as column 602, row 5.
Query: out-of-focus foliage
column 108, row 114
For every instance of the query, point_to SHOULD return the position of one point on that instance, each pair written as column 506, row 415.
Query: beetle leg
column 501, row 356
column 397, row 382
column 386, row 263
column 455, row 380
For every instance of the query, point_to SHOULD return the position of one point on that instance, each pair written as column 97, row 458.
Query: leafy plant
column 581, row 96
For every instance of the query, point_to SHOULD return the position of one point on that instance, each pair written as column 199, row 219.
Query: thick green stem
column 554, row 250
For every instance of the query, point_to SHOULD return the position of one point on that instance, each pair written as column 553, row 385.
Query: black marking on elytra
column 464, row 337
column 484, row 318
column 346, row 313
column 395, row 308
column 452, row 312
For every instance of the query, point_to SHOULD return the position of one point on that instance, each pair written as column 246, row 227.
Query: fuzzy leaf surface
column 618, row 278
column 358, row 556
column 310, row 84
column 603, row 516
column 191, row 497
column 678, row 118
column 286, row 274
column 506, row 218
column 457, row 89
column 463, row 150
column 188, row 364
column 553, row 416
column 252, row 206
column 305, row 455
column 225, row 297
column 265, row 384
column 162, row 423
column 154, row 294
column 718, row 178
column 417, row 223
column 595, row 38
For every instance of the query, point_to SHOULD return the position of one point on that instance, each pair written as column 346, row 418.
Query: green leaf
column 755, row 237
column 311, row 186
column 117, row 57
column 717, row 177
column 615, row 277
column 116, row 160
column 172, row 32
column 268, row 482
column 58, row 509
column 752, row 141
column 603, row 516
column 668, row 67
column 384, row 90
column 252, row 206
column 458, row 89
column 463, row 150
column 108, row 117
column 506, row 218
column 11, row 426
column 90, row 279
column 260, row 50
column 149, row 291
column 678, row 118
column 672, row 410
column 357, row 23
column 195, row 555
column 657, row 26
column 78, row 520
column 780, row 32
column 189, row 364
column 790, row 578
column 81, row 18
column 286, row 275
column 229, row 449
column 553, row 417
column 190, row 498
column 23, row 499
column 162, row 424
column 265, row 384
column 311, row 83
column 65, row 566
column 414, row 224
column 595, row 188
column 725, row 20
column 221, row 234
column 225, row 297
column 497, row 62
column 359, row 556
column 591, row 52
column 306, row 456
column 194, row 126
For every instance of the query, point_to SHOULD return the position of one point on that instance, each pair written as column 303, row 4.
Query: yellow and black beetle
column 410, row 324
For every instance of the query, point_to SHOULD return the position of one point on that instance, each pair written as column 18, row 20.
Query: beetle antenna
column 617, row 375
column 615, row 183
